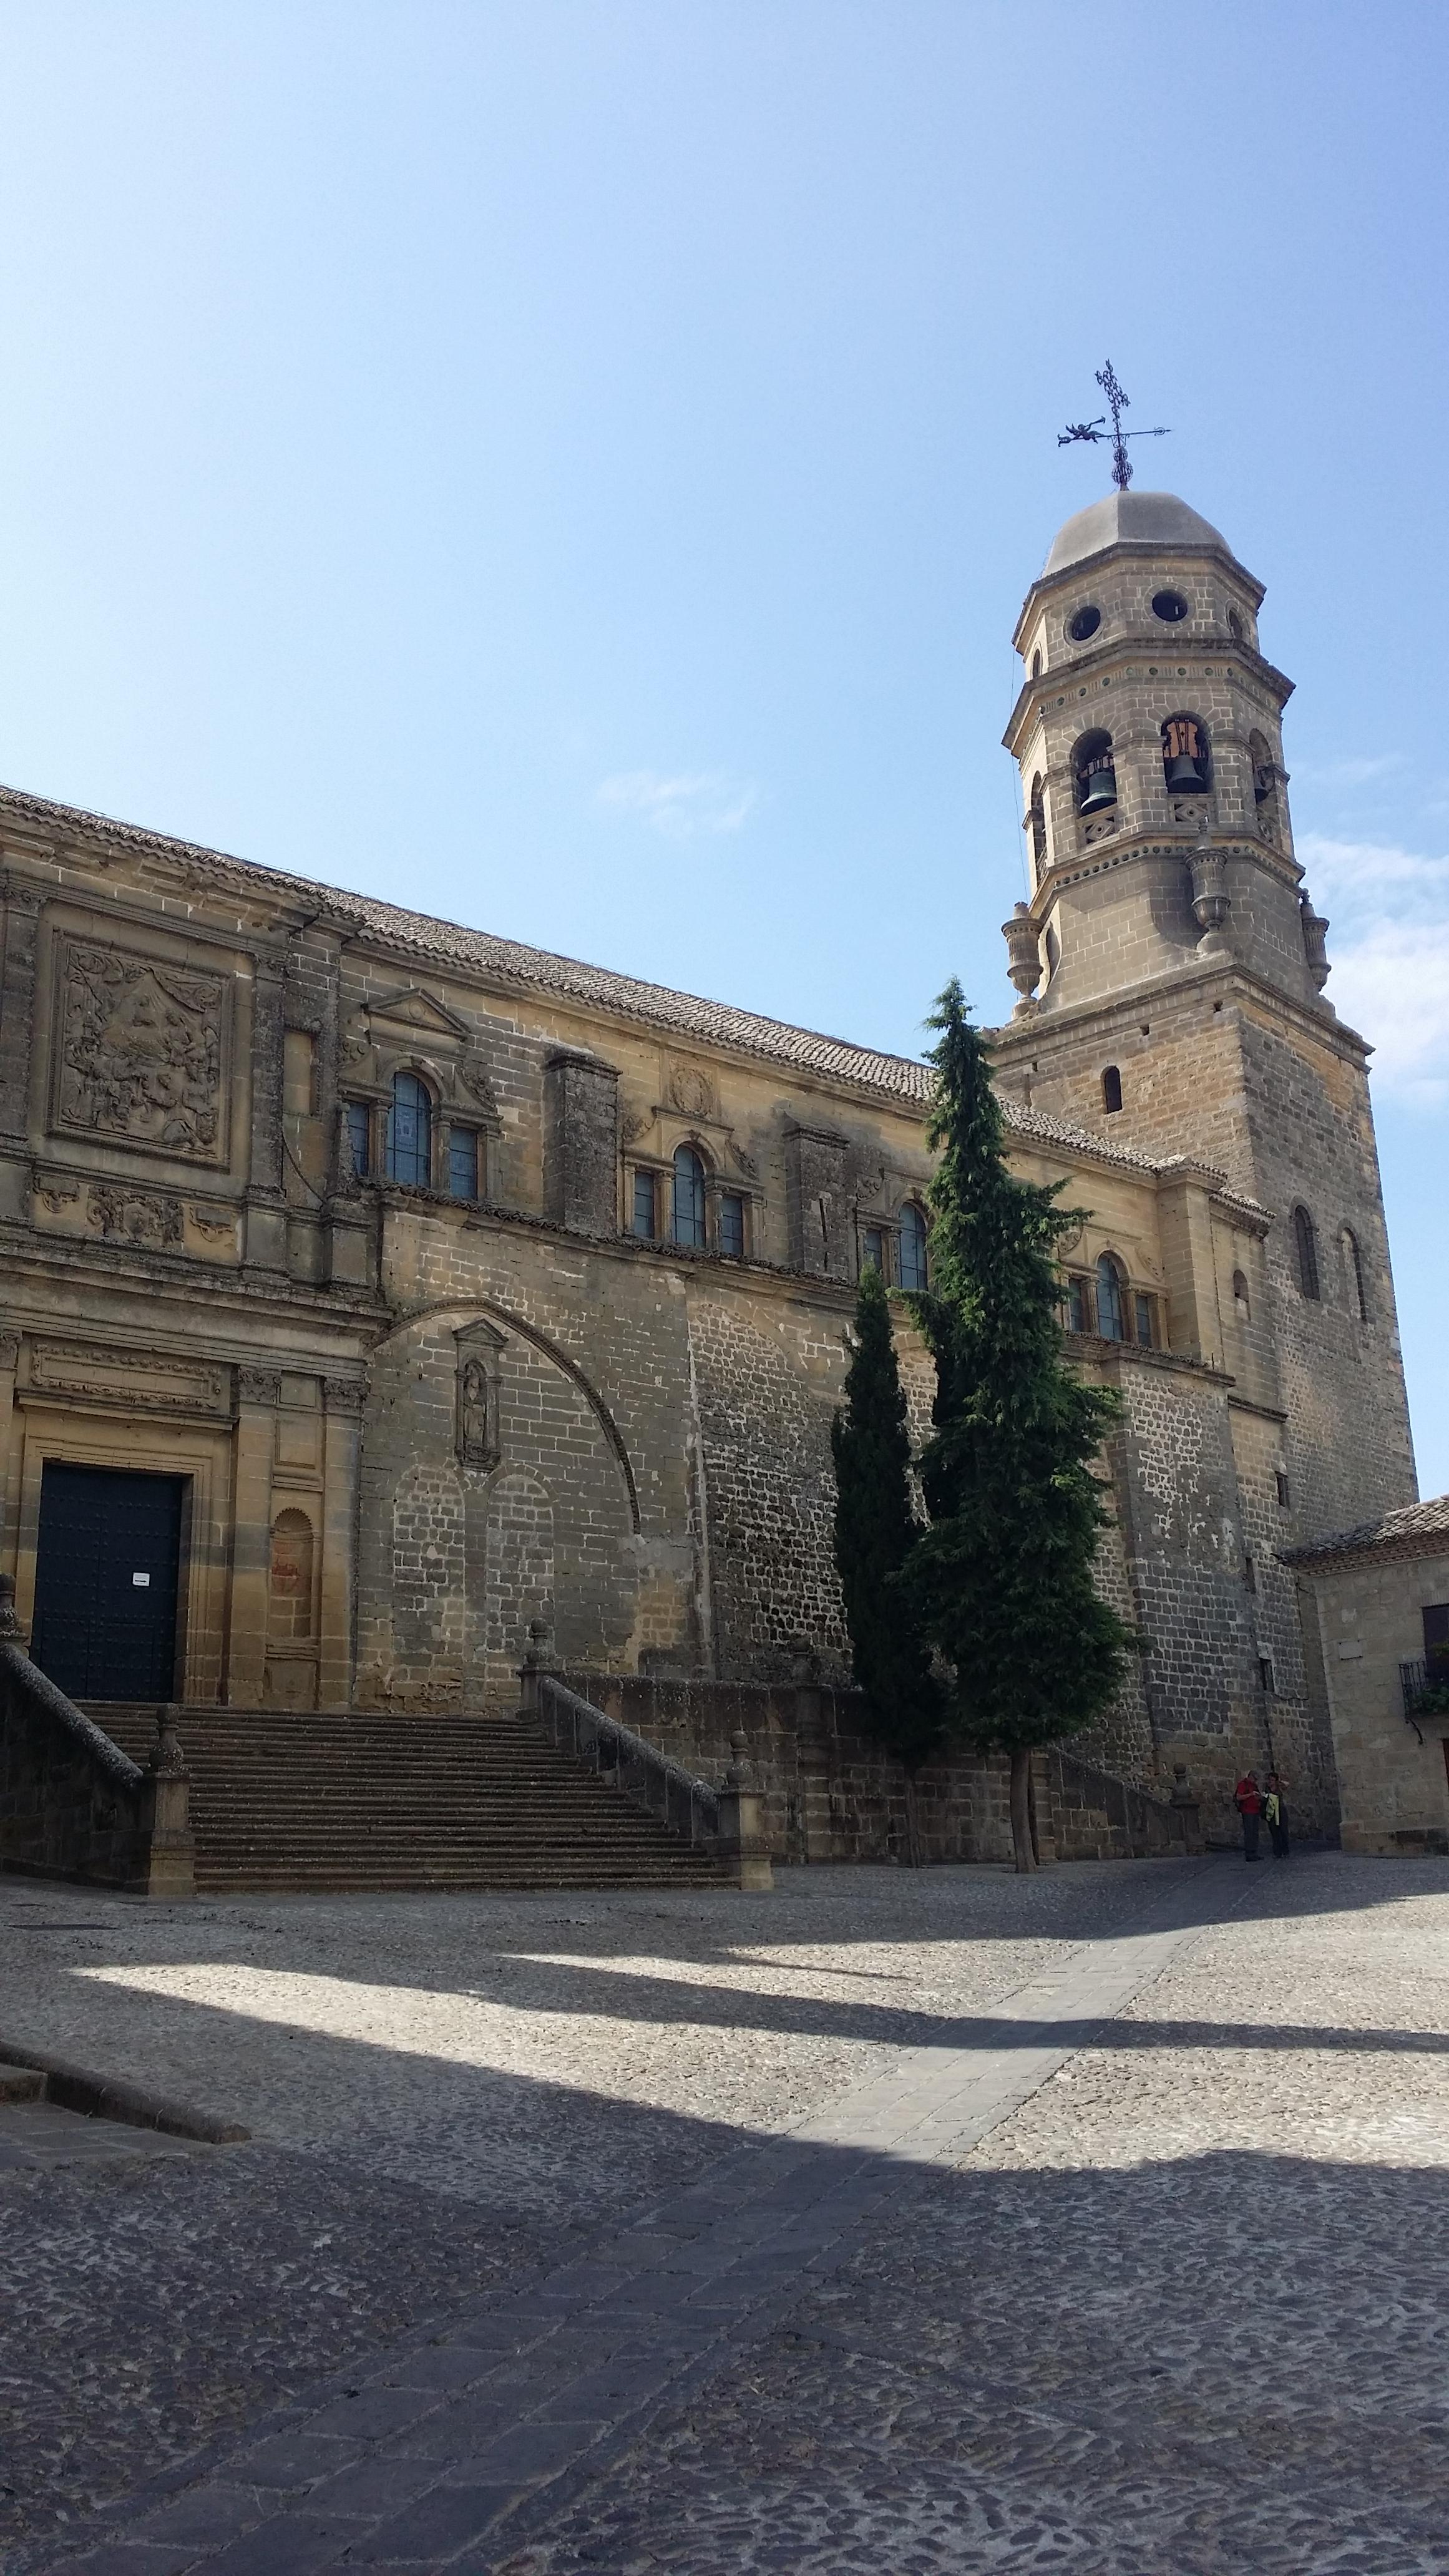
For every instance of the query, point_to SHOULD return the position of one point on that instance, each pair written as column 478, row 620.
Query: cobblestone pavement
column 818, row 2232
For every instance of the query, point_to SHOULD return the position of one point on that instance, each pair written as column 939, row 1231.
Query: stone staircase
column 347, row 1802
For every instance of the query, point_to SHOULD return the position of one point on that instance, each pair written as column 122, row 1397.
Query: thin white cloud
column 684, row 806
column 1389, row 945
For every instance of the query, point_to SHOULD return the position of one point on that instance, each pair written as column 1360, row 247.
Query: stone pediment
column 419, row 1012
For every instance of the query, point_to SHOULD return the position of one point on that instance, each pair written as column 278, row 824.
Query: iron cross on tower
column 1095, row 430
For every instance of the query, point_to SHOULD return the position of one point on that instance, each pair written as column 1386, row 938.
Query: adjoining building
column 376, row 1286
column 1377, row 1619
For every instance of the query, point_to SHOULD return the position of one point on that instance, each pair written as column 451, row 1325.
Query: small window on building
column 1285, row 1499
column 1078, row 1305
column 1250, row 1575
column 912, row 1239
column 463, row 1161
column 732, row 1226
column 1235, row 626
column 872, row 1249
column 1170, row 606
column 1111, row 1317
column 1353, row 1275
column 359, row 1137
column 642, row 1219
column 688, row 1216
column 410, row 1132
column 1265, row 1673
column 1142, row 1309
column 1306, row 1240
column 1436, row 1638
column 1111, row 1089
column 1036, row 666
column 1240, row 1298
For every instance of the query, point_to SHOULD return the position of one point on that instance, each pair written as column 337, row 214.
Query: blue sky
column 575, row 467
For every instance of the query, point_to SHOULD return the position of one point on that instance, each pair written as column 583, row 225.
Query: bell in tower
column 1096, row 773
column 1184, row 757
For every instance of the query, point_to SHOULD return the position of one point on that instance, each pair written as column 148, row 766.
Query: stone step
column 329, row 1802
column 21, row 2084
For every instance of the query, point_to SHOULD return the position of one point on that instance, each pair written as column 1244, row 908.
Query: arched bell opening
column 1186, row 756
column 1265, row 786
column 1094, row 774
column 1036, row 823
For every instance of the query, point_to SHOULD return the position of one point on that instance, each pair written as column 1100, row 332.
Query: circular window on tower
column 1082, row 623
column 1170, row 606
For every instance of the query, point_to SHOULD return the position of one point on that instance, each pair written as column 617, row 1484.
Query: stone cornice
column 1017, row 1037
column 1034, row 698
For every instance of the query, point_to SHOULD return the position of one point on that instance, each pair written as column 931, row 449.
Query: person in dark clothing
column 1248, row 1799
column 1275, row 1812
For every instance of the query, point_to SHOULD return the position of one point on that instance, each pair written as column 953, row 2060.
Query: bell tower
column 1171, row 968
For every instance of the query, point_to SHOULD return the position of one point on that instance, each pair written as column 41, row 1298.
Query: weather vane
column 1095, row 430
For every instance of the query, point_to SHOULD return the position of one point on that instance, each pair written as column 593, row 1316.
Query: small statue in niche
column 478, row 1406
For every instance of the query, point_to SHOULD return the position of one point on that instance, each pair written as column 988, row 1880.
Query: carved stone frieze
column 258, row 1386
column 57, row 1196
column 122, row 1215
column 141, row 1052
column 217, row 1223
column 343, row 1394
column 156, row 1381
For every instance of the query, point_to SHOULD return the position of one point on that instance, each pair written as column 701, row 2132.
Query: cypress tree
column 1001, row 1581
column 875, row 1530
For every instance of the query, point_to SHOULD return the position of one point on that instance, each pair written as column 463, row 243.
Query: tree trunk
column 1021, row 1808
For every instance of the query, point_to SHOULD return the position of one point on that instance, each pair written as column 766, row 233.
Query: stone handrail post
column 742, row 1820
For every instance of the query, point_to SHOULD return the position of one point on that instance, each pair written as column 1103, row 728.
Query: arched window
column 1111, row 1088
column 1111, row 1317
column 913, row 1249
column 1036, row 666
column 1036, row 819
column 1353, row 1275
column 1240, row 1297
column 1306, row 1239
column 1186, row 759
column 410, row 1132
column 687, row 1225
column 1265, row 784
column 1094, row 773
column 1235, row 626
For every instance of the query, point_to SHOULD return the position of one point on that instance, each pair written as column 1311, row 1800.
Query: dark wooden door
column 105, row 1582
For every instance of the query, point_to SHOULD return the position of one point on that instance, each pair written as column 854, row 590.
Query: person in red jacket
column 1248, row 1799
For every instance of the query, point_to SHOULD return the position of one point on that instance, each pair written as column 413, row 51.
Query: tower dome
column 1134, row 519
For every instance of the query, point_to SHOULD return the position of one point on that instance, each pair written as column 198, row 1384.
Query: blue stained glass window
column 1110, row 1321
column 732, row 1226
column 410, row 1132
column 688, row 1226
column 1078, row 1318
column 643, row 1219
column 1144, row 1322
column 913, row 1249
column 462, row 1163
column 359, row 1136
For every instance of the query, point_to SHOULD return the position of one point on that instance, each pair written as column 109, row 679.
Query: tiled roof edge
column 541, row 971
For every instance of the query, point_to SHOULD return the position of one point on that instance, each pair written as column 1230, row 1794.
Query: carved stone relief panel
column 156, row 1381
column 690, row 1090
column 141, row 1052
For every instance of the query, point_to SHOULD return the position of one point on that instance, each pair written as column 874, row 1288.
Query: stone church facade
column 434, row 1284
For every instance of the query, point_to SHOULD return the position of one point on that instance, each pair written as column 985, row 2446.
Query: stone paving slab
column 36, row 2137
column 512, row 2448
column 1138, row 2268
